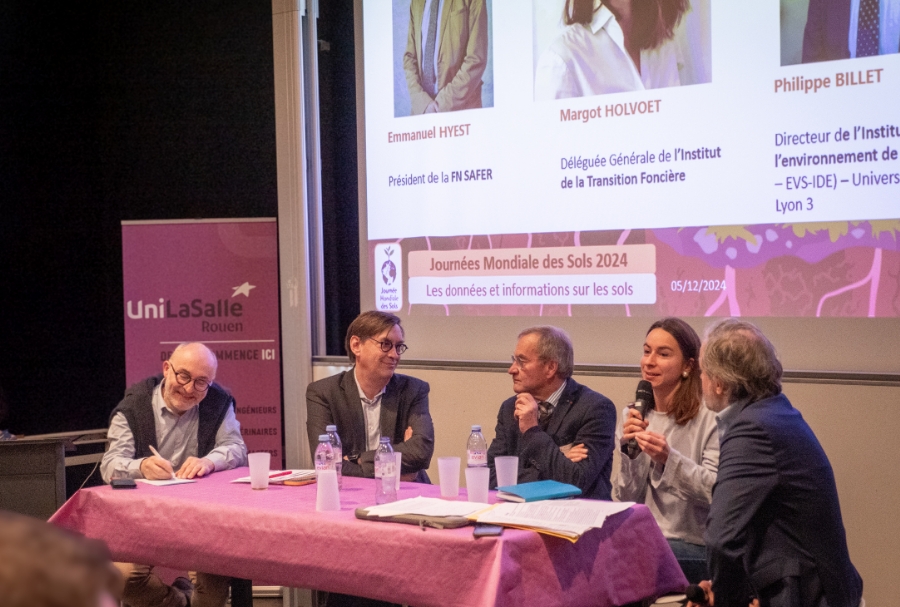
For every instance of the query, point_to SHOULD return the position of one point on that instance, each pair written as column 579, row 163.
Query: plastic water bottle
column 476, row 447
column 338, row 452
column 324, row 454
column 385, row 472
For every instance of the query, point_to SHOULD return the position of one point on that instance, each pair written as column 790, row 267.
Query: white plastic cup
column 507, row 467
column 448, row 470
column 477, row 483
column 399, row 457
column 259, row 469
column 328, row 497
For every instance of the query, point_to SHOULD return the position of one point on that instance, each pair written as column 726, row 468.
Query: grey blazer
column 335, row 400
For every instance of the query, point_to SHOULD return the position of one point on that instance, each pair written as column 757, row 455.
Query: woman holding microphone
column 674, row 470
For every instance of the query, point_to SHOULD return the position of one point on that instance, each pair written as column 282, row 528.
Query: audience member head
column 671, row 364
column 188, row 373
column 543, row 359
column 738, row 362
column 43, row 566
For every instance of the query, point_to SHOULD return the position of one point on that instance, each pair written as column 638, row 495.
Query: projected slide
column 538, row 158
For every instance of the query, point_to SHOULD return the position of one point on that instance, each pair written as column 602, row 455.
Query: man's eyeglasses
column 387, row 345
column 201, row 384
column 519, row 362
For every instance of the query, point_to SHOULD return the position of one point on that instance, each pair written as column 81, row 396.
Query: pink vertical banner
column 214, row 281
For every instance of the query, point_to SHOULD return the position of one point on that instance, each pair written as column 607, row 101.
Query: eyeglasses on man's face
column 201, row 384
column 518, row 361
column 387, row 345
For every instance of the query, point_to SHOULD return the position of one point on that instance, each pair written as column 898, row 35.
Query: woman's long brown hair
column 688, row 394
column 654, row 20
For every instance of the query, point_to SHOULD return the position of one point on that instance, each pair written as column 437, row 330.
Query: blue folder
column 537, row 491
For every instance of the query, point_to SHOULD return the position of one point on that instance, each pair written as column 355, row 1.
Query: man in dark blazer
column 559, row 429
column 774, row 532
column 371, row 400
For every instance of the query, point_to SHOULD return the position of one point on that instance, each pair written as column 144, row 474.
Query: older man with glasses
column 176, row 425
column 371, row 400
column 559, row 429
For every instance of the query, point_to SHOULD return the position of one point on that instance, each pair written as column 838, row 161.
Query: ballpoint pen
column 156, row 453
column 282, row 473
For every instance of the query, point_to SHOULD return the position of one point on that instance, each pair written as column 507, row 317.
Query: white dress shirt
column 176, row 439
column 372, row 412
column 591, row 60
column 554, row 398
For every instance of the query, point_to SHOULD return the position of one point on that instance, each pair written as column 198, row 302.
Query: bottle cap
column 330, row 428
column 323, row 438
column 385, row 439
column 476, row 428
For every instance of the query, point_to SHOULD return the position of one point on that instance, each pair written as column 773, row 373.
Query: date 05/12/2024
column 697, row 286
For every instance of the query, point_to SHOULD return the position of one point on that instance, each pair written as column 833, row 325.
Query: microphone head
column 696, row 594
column 644, row 393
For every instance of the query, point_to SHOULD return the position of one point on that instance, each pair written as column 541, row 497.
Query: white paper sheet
column 168, row 481
column 427, row 506
column 279, row 476
column 570, row 516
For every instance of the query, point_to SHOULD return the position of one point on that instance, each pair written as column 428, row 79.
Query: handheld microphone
column 696, row 594
column 643, row 404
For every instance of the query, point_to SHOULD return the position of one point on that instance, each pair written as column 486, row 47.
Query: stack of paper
column 426, row 506
column 569, row 519
column 280, row 476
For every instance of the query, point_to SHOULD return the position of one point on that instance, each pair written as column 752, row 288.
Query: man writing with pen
column 176, row 425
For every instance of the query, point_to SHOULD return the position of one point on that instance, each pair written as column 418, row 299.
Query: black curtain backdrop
column 340, row 194
column 114, row 111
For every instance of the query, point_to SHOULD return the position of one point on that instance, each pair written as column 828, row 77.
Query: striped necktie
column 428, row 78
column 867, row 32
column 545, row 410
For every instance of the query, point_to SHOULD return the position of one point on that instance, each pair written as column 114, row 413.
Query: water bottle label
column 477, row 458
column 383, row 470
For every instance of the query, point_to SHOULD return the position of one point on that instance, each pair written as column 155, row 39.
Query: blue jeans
column 692, row 559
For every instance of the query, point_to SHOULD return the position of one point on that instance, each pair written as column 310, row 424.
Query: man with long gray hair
column 774, row 534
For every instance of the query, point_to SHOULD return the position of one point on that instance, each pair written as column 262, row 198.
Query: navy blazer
column 775, row 529
column 580, row 416
column 335, row 400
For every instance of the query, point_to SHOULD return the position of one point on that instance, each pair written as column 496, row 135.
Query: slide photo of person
column 442, row 56
column 827, row 30
column 594, row 47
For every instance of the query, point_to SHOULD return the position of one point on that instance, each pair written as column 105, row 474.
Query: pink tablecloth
column 276, row 536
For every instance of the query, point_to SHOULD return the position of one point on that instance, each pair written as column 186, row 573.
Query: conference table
column 276, row 537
